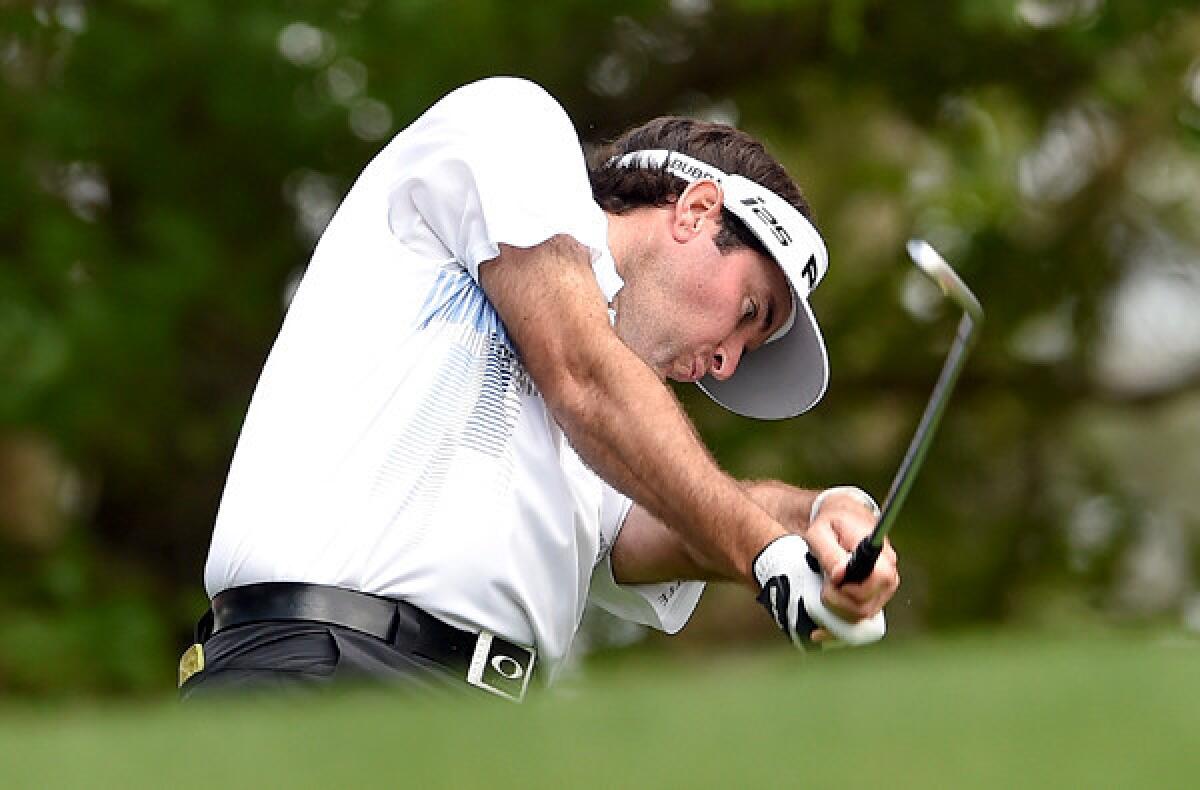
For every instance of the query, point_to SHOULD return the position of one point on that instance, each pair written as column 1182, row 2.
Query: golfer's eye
column 751, row 310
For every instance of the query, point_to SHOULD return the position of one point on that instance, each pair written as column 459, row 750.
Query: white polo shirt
column 395, row 444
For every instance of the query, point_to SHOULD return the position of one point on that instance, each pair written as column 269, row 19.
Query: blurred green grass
column 981, row 711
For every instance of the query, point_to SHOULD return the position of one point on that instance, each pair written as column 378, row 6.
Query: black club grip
column 862, row 562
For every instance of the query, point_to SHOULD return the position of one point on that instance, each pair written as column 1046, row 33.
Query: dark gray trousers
column 302, row 656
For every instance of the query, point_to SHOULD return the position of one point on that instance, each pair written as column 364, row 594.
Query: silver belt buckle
column 501, row 667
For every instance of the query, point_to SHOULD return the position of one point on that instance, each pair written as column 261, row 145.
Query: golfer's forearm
column 648, row 551
column 787, row 504
column 620, row 421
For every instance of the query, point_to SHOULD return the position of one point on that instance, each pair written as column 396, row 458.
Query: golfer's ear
column 697, row 209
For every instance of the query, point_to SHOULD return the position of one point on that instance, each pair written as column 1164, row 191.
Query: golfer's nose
column 725, row 361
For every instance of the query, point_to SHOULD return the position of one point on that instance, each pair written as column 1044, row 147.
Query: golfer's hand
column 839, row 520
column 791, row 585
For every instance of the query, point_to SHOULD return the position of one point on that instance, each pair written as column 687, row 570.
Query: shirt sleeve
column 494, row 162
column 666, row 606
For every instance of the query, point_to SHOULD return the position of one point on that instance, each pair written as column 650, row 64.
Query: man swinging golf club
column 463, row 433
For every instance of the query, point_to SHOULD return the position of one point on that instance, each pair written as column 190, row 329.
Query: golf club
column 933, row 265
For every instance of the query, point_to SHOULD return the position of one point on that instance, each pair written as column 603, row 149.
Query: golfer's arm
column 647, row 551
column 623, row 421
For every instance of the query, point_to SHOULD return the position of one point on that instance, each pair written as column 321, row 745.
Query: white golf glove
column 791, row 581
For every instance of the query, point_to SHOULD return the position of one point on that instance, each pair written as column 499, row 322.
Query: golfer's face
column 717, row 309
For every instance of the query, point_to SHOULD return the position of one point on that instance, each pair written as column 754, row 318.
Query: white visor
column 789, row 373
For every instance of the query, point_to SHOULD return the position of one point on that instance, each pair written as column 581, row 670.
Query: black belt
column 483, row 659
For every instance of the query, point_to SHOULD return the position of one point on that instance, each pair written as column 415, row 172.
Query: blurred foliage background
column 167, row 167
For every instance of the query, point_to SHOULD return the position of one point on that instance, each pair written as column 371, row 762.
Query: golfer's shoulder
column 516, row 93
column 499, row 104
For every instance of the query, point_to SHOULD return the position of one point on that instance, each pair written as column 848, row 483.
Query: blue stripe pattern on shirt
column 455, row 298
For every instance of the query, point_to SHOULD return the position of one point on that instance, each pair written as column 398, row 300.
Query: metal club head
column 929, row 261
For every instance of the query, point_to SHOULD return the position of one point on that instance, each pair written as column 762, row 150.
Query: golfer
column 463, row 432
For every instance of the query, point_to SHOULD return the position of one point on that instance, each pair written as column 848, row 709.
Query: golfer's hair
column 622, row 189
